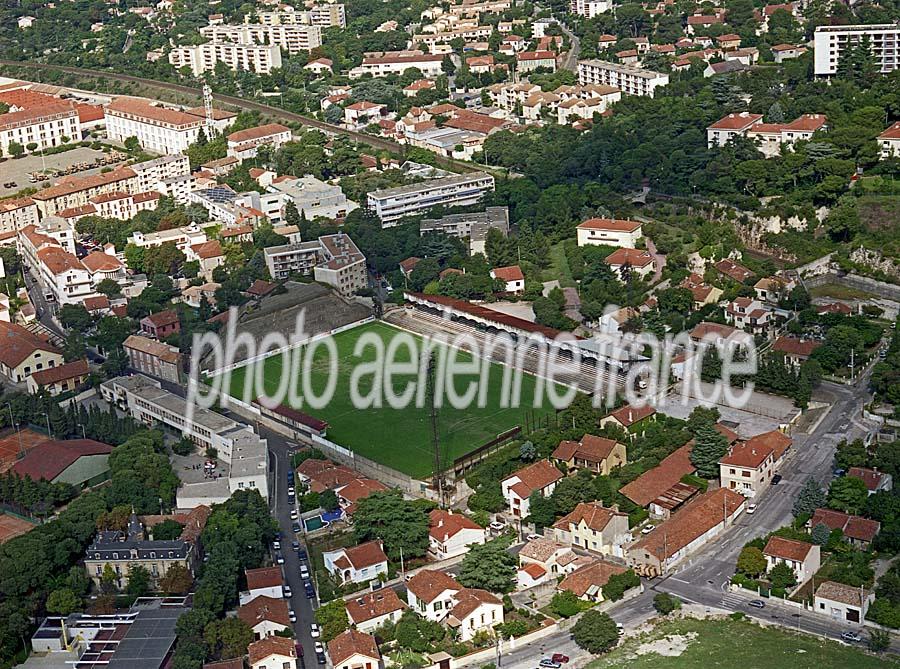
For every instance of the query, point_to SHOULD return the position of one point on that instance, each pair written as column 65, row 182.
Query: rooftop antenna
column 207, row 105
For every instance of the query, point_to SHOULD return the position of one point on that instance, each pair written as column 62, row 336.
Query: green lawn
column 743, row 645
column 559, row 267
column 401, row 438
column 838, row 292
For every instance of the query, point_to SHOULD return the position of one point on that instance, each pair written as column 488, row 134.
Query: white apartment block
column 259, row 58
column 242, row 452
column 291, row 38
column 44, row 126
column 383, row 63
column 118, row 204
column 478, row 8
column 329, row 15
column 590, row 8
column 332, row 259
column 18, row 213
column 459, row 190
column 630, row 80
column 829, row 42
column 157, row 129
column 467, row 34
column 313, row 198
column 152, row 174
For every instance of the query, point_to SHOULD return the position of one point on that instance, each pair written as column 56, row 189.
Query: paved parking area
column 749, row 424
column 17, row 170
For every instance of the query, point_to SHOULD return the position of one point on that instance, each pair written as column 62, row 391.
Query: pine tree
column 810, row 498
column 775, row 113
column 820, row 534
column 709, row 448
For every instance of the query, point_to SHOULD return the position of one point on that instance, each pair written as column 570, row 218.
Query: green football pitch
column 399, row 438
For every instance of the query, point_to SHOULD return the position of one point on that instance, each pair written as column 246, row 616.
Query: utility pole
column 438, row 476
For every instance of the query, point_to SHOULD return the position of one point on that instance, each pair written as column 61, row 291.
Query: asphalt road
column 571, row 60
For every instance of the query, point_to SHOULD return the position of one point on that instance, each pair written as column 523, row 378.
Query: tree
column 75, row 317
column 400, row 524
column 782, row 576
column 664, row 603
column 565, row 604
column 108, row 287
column 489, row 567
column 167, row 530
column 709, row 447
column 820, row 534
column 177, row 581
column 332, row 619
column 109, row 581
column 751, row 561
column 228, row 638
column 595, row 632
column 15, row 150
column 848, row 494
column 527, row 451
column 810, row 498
column 542, row 511
column 328, row 500
column 138, row 581
column 63, row 602
column 702, row 416
column 617, row 584
column 879, row 640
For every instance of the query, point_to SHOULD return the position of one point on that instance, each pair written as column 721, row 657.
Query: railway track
column 247, row 105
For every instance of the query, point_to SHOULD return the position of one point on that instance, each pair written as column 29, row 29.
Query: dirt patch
column 670, row 646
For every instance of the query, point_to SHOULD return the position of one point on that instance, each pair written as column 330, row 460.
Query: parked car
column 301, row 553
column 320, row 658
column 751, row 509
column 299, row 647
column 276, row 544
column 851, row 636
column 320, row 648
column 648, row 529
column 295, row 545
column 314, row 630
column 549, row 663
column 290, row 490
column 292, row 616
column 497, row 526
column 296, row 527
column 304, row 572
column 559, row 657
column 287, row 592
column 757, row 604
column 291, row 500
column 776, row 479
column 279, row 558
column 532, row 537
column 294, row 515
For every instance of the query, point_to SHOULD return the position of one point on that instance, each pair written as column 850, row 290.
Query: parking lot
column 17, row 170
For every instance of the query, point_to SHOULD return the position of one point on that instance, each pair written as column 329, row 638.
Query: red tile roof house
column 843, row 602
column 373, row 609
column 451, row 534
column 512, row 278
column 687, row 530
column 474, row 610
column 587, row 582
column 638, row 261
column 265, row 616
column 734, row 271
column 59, row 379
column 858, row 531
column 22, row 353
column 161, row 324
column 803, row 558
column 272, row 652
column 633, row 420
column 796, row 351
column 592, row 526
column 598, row 454
column 77, row 461
column 430, row 593
column 359, row 564
column 267, row 581
column 875, row 480
column 540, row 477
column 660, row 489
column 360, row 488
column 354, row 650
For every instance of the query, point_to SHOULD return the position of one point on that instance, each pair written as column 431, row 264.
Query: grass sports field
column 399, row 438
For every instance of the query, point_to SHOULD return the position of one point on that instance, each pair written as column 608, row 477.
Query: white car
column 751, row 509
column 648, row 529
column 276, row 544
column 287, row 591
column 304, row 571
column 294, row 514
column 290, row 490
column 319, row 647
column 497, row 526
column 292, row 616
column 314, row 630
column 532, row 537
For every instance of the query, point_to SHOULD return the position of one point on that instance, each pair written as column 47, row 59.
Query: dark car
column 278, row 534
column 776, row 479
column 559, row 657
column 295, row 545
column 757, row 604
column 291, row 500
column 296, row 527
column 299, row 647
column 301, row 553
column 320, row 658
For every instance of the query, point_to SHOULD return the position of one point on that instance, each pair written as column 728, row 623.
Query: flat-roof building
column 830, row 43
column 392, row 204
column 630, row 80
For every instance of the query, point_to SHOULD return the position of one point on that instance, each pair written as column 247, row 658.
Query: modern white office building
column 392, row 204
column 830, row 42
column 630, row 80
column 239, row 449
